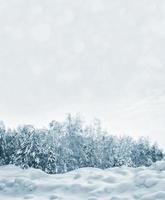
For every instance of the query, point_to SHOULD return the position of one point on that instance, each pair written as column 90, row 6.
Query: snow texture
column 124, row 183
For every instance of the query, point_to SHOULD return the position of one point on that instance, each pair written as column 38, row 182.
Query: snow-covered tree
column 68, row 145
column 2, row 143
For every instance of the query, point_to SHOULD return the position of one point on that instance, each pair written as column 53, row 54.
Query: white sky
column 100, row 58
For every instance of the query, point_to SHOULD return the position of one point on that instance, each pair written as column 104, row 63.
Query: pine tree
column 68, row 145
column 2, row 143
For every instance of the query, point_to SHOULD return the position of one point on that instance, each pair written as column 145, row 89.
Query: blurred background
column 100, row 58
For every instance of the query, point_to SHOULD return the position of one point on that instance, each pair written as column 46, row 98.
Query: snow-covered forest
column 68, row 145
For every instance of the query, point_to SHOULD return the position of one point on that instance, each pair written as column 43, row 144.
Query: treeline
column 69, row 145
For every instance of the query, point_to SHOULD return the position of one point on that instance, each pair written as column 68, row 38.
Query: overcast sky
column 100, row 58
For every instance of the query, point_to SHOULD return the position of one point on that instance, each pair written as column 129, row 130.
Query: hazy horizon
column 101, row 58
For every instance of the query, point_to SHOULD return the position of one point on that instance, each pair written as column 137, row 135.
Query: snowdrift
column 122, row 183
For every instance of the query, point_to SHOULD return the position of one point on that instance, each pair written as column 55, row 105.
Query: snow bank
column 87, row 183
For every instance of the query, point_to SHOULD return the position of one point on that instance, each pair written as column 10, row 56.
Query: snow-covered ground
column 87, row 183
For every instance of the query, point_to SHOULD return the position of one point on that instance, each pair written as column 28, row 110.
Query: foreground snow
column 88, row 183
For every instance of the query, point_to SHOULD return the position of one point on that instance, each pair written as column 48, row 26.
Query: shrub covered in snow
column 68, row 145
